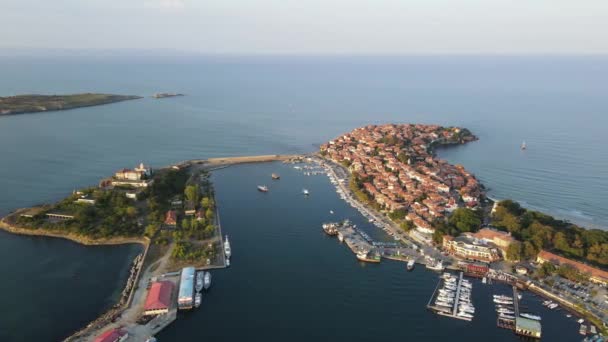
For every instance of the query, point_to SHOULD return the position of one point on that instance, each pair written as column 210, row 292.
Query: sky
column 310, row 26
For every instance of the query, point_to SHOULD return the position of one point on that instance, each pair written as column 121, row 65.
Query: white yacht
column 227, row 250
column 197, row 300
column 207, row 280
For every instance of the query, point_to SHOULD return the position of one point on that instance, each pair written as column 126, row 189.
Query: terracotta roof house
column 171, row 218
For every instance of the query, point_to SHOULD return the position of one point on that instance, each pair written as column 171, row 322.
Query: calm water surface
column 288, row 281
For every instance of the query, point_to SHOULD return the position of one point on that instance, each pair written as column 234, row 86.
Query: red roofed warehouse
column 113, row 335
column 595, row 274
column 159, row 298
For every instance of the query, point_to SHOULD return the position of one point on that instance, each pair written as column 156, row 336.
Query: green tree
column 407, row 225
column 514, row 251
column 398, row 214
column 151, row 230
column 192, row 193
column 465, row 220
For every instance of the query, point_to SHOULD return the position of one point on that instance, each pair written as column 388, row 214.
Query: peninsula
column 170, row 211
column 33, row 103
column 393, row 171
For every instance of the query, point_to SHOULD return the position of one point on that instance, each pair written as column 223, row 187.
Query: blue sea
column 267, row 105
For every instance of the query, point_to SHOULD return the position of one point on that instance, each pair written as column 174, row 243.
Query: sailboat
column 523, row 145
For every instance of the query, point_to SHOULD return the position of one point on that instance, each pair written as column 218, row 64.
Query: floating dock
column 445, row 311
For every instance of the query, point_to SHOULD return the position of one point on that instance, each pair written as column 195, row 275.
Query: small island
column 34, row 103
column 165, row 95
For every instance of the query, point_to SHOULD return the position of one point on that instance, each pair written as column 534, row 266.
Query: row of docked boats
column 203, row 281
column 342, row 192
column 454, row 299
column 505, row 308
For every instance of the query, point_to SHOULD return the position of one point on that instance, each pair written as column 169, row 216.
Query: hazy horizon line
column 170, row 52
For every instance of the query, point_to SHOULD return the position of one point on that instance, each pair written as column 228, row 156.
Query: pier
column 457, row 296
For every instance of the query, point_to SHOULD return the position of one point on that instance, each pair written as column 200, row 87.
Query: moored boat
column 305, row 192
column 438, row 266
column 227, row 250
column 410, row 264
column 367, row 256
column 530, row 316
column 197, row 300
column 207, row 281
column 199, row 281
column 275, row 176
column 262, row 188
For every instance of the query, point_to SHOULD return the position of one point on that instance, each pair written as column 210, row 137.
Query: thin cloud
column 167, row 4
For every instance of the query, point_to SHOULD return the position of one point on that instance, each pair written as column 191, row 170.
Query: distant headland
column 34, row 103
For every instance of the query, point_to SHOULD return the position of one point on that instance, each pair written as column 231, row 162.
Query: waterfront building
column 501, row 239
column 527, row 327
column 60, row 216
column 595, row 274
column 469, row 248
column 158, row 300
column 185, row 299
column 477, row 269
column 113, row 335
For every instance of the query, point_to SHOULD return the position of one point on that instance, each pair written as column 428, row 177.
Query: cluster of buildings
column 139, row 177
column 400, row 172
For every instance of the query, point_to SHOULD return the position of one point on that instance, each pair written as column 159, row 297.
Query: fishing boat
column 366, row 256
column 207, row 281
column 330, row 229
column 262, row 188
column 410, row 265
column 275, row 176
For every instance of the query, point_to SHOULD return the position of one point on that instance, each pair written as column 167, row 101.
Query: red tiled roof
column 159, row 296
column 111, row 335
column 595, row 272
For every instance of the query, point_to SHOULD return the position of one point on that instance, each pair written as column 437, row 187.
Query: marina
column 452, row 298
